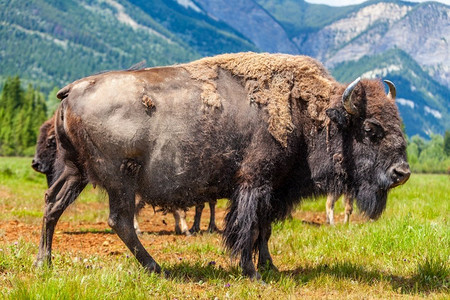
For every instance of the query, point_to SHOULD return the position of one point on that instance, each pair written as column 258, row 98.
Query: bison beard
column 223, row 135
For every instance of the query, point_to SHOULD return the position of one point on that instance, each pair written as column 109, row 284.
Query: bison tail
column 63, row 139
column 249, row 211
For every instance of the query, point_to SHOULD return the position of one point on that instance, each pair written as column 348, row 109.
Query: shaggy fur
column 272, row 81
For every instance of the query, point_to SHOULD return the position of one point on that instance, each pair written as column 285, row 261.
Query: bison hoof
column 256, row 277
column 253, row 274
column 212, row 229
column 41, row 263
column 269, row 266
column 194, row 230
column 38, row 264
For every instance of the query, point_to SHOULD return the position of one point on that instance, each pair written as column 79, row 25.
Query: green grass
column 405, row 253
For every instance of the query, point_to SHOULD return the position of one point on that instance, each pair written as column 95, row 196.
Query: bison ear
column 337, row 116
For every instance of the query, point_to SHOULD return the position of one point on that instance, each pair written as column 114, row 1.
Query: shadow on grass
column 434, row 279
column 195, row 272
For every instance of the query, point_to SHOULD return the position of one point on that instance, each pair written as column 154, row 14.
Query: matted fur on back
column 271, row 80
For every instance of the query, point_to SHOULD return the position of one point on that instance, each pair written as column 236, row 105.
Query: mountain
column 193, row 25
column 351, row 32
column 252, row 21
column 51, row 42
column 423, row 103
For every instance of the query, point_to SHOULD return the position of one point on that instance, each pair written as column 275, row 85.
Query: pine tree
column 447, row 143
column 10, row 101
column 52, row 102
column 21, row 115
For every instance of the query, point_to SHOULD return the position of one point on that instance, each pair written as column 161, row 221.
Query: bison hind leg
column 122, row 209
column 59, row 196
column 265, row 261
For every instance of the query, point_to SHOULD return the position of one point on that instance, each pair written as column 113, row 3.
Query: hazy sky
column 349, row 2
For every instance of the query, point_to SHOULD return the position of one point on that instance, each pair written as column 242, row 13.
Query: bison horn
column 347, row 97
column 392, row 93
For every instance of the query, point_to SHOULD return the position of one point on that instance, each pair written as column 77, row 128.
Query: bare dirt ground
column 98, row 238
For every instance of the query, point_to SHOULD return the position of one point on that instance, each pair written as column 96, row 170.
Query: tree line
column 22, row 111
column 431, row 156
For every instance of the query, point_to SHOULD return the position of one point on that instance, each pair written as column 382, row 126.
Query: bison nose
column 35, row 165
column 400, row 174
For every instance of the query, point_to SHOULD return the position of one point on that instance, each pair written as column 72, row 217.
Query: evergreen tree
column 447, row 143
column 10, row 101
column 21, row 115
column 52, row 102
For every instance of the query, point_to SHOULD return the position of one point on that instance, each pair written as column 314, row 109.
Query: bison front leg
column 348, row 202
column 212, row 217
column 250, row 208
column 122, row 208
column 197, row 218
column 331, row 200
column 181, row 226
column 57, row 198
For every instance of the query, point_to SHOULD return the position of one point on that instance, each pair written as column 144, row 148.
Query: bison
column 265, row 130
column 45, row 156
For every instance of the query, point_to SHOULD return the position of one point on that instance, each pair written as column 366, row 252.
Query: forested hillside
column 21, row 114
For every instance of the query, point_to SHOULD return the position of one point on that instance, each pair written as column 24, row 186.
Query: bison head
column 44, row 157
column 367, row 136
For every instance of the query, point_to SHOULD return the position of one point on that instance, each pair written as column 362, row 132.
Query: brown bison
column 44, row 160
column 45, row 156
column 264, row 130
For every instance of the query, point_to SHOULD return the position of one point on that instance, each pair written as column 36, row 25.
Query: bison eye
column 373, row 130
column 51, row 142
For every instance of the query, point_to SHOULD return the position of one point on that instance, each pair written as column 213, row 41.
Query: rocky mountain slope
column 422, row 112
column 421, row 30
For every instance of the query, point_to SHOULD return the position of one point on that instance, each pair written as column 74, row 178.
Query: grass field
column 405, row 254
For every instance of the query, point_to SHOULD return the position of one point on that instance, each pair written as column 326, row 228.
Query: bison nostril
column 400, row 174
column 35, row 164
